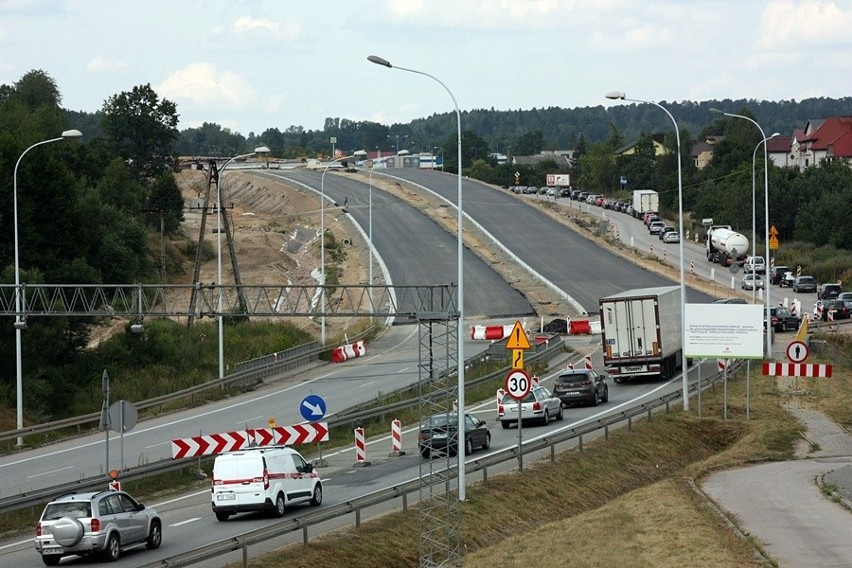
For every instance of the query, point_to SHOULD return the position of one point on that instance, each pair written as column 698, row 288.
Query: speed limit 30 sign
column 518, row 384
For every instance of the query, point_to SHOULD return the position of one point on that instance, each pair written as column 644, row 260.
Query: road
column 190, row 523
column 569, row 261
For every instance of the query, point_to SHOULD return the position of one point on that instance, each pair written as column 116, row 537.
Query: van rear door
column 240, row 481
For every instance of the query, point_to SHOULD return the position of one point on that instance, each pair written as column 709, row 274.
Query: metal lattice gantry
column 403, row 303
column 440, row 508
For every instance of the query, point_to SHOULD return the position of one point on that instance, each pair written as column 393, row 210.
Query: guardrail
column 38, row 496
column 283, row 361
column 243, row 541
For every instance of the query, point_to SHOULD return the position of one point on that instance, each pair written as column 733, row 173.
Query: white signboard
column 724, row 331
column 558, row 180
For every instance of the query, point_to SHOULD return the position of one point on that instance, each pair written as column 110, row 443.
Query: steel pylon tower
column 440, row 509
column 213, row 176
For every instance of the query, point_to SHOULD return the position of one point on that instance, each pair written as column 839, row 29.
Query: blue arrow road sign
column 312, row 408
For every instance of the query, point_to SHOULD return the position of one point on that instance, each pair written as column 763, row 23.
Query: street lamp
column 766, row 221
column 358, row 154
column 397, row 139
column 21, row 324
column 753, row 213
column 261, row 149
column 619, row 95
column 460, row 275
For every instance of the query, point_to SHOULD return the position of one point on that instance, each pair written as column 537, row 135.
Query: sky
column 253, row 65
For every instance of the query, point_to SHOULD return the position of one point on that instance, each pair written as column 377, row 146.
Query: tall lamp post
column 766, row 221
column 619, row 95
column 262, row 149
column 460, row 274
column 358, row 154
column 20, row 324
column 753, row 212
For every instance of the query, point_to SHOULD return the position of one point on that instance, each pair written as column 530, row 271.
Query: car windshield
column 572, row 378
column 441, row 420
column 509, row 399
column 74, row 509
column 806, row 279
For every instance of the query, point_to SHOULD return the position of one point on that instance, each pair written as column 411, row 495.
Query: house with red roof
column 826, row 139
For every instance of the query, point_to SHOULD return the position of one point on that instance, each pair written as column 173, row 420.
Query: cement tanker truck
column 725, row 246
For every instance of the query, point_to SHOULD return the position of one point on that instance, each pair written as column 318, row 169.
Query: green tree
column 165, row 196
column 143, row 129
column 529, row 143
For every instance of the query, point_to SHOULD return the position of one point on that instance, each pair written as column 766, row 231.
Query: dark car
column 783, row 319
column 804, row 284
column 730, row 301
column 581, row 386
column 440, row 434
column 842, row 309
column 776, row 275
column 829, row 291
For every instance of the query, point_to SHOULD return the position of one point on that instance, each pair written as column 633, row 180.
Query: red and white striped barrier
column 652, row 249
column 360, row 448
column 723, row 364
column 396, row 438
column 570, row 366
column 348, row 351
column 587, row 362
column 535, row 380
column 491, row 332
column 796, row 370
column 691, row 264
column 665, row 254
column 500, row 394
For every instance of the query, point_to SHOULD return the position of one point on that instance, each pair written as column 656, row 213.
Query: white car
column 752, row 282
column 540, row 405
column 671, row 237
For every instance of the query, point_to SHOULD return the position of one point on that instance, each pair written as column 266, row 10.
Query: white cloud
column 245, row 25
column 261, row 29
column 99, row 66
column 509, row 15
column 205, row 85
column 788, row 25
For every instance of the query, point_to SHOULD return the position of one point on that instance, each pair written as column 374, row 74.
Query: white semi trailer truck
column 641, row 333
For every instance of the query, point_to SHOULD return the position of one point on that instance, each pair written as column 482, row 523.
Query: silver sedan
column 539, row 405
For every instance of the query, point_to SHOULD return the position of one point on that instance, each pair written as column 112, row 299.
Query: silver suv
column 100, row 523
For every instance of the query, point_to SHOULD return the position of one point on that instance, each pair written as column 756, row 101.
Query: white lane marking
column 136, row 432
column 49, row 472
column 405, row 370
column 186, row 522
column 367, row 384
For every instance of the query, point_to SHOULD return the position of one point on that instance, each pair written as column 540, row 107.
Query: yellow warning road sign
column 518, row 338
column 773, row 242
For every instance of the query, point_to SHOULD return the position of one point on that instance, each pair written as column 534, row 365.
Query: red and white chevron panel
column 210, row 444
column 291, row 435
column 796, row 370
column 233, row 441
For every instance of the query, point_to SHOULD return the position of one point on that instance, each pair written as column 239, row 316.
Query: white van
column 756, row 264
column 263, row 479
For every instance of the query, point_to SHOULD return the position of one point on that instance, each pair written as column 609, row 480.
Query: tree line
column 89, row 212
